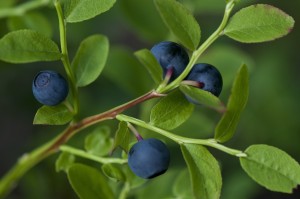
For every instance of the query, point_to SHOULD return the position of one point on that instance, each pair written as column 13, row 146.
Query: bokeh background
column 271, row 116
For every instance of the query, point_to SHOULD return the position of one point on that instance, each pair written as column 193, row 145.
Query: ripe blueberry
column 149, row 158
column 170, row 55
column 208, row 77
column 49, row 88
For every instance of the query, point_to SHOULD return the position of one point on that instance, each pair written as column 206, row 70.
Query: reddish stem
column 169, row 74
column 110, row 114
column 135, row 132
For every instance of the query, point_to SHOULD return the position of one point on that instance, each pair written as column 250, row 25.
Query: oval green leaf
column 122, row 137
column 80, row 10
column 204, row 171
column 151, row 64
column 171, row 111
column 271, row 168
column 203, row 97
column 259, row 23
column 88, row 182
column 90, row 59
column 53, row 115
column 32, row 20
column 24, row 46
column 180, row 21
column 226, row 127
column 99, row 142
column 64, row 161
column 114, row 172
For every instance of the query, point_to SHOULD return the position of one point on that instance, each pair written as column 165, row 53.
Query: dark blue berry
column 170, row 55
column 208, row 77
column 49, row 88
column 149, row 158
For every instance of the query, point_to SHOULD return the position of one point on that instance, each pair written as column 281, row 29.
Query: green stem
column 23, row 8
column 29, row 160
column 89, row 156
column 145, row 125
column 65, row 55
column 124, row 191
column 196, row 54
column 181, row 139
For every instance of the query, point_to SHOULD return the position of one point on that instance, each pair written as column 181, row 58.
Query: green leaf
column 259, row 23
column 182, row 186
column 236, row 104
column 114, row 171
column 203, row 97
column 24, row 46
column 80, row 10
column 32, row 20
column 180, row 21
column 171, row 111
column 90, row 59
column 53, row 115
column 204, row 171
column 122, row 137
column 88, row 182
column 99, row 142
column 271, row 168
column 64, row 161
column 151, row 64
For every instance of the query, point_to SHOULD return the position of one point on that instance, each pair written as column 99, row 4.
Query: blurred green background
column 271, row 116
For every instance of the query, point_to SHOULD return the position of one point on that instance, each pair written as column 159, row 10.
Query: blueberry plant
column 181, row 83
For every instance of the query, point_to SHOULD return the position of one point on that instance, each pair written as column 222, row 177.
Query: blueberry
column 170, row 55
column 208, row 77
column 49, row 88
column 149, row 158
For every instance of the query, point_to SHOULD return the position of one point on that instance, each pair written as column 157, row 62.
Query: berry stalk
column 135, row 132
